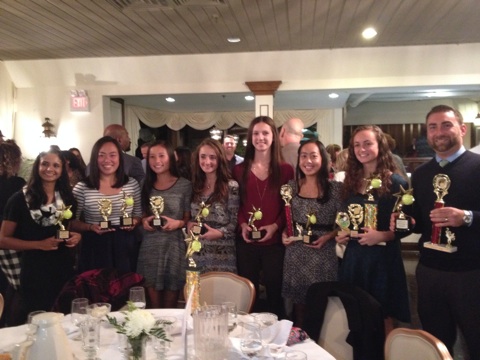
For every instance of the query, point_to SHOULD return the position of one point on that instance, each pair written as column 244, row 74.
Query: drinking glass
column 160, row 346
column 99, row 310
column 32, row 328
column 295, row 355
column 90, row 337
column 79, row 312
column 231, row 308
column 266, row 321
column 251, row 339
column 137, row 296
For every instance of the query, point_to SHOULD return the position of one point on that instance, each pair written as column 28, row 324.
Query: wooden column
column 264, row 92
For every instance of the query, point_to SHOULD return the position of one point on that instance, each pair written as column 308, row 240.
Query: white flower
column 139, row 321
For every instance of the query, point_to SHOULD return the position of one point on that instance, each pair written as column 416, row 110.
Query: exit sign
column 79, row 103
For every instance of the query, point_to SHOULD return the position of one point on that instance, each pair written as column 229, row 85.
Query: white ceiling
column 53, row 29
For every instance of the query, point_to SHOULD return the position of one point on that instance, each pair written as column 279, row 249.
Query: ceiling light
column 333, row 95
column 369, row 33
column 233, row 39
column 215, row 133
column 439, row 93
column 249, row 98
column 170, row 99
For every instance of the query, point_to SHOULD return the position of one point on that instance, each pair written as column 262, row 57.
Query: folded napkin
column 280, row 331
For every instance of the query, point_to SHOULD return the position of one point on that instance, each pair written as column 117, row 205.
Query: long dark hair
column 220, row 192
column 275, row 155
column 385, row 164
column 323, row 183
column 151, row 176
column 35, row 194
column 93, row 179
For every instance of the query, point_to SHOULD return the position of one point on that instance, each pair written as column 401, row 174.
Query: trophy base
column 63, row 234
column 354, row 234
column 440, row 247
column 403, row 225
column 307, row 239
column 158, row 223
column 105, row 225
column 199, row 230
column 295, row 238
column 257, row 235
column 126, row 221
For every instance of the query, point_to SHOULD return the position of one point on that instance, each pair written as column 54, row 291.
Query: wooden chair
column 414, row 344
column 217, row 287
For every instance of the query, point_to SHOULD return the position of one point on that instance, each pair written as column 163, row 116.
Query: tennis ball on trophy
column 257, row 215
column 376, row 183
column 196, row 245
column 67, row 214
column 407, row 199
column 313, row 219
column 129, row 201
column 205, row 212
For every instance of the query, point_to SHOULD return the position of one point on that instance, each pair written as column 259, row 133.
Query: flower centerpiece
column 139, row 325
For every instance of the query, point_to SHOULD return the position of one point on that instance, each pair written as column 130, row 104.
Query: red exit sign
column 79, row 103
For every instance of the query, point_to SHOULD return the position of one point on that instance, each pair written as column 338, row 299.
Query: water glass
column 266, row 321
column 231, row 308
column 210, row 332
column 32, row 328
column 90, row 337
column 99, row 310
column 137, row 296
column 295, row 355
column 79, row 311
column 160, row 346
column 251, row 339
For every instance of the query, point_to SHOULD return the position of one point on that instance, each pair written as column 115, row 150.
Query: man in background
column 230, row 145
column 132, row 164
column 290, row 136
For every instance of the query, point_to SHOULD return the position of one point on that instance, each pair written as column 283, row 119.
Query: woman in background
column 213, row 186
column 115, row 246
column 78, row 155
column 183, row 156
column 313, row 194
column 30, row 225
column 260, row 177
column 162, row 252
column 373, row 261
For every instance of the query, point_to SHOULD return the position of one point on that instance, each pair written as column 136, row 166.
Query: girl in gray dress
column 162, row 253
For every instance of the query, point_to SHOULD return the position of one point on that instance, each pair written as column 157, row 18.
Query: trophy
column 355, row 212
column 255, row 214
column 343, row 221
column 403, row 223
column 441, row 183
column 63, row 213
column 157, row 205
column 286, row 193
column 105, row 207
column 371, row 208
column 198, row 228
column 193, row 272
column 127, row 201
column 307, row 234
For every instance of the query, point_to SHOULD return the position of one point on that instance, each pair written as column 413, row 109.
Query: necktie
column 442, row 163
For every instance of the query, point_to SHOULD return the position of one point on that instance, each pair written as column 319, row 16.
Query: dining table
column 181, row 346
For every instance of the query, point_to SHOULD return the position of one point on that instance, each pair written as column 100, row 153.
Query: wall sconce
column 47, row 128
column 215, row 133
column 244, row 142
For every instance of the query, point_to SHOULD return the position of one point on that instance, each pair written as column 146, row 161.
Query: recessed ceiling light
column 249, row 98
column 170, row 99
column 233, row 39
column 369, row 33
column 333, row 95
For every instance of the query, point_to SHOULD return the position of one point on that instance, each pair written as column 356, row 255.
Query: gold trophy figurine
column 105, row 207
column 202, row 214
column 343, row 221
column 286, row 193
column 371, row 206
column 255, row 214
column 63, row 213
column 355, row 212
column 127, row 201
column 193, row 272
column 403, row 223
column 307, row 234
column 157, row 206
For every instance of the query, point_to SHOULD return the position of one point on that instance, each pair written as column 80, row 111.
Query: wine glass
column 231, row 308
column 251, row 339
column 79, row 312
column 137, row 297
column 99, row 310
column 32, row 328
column 160, row 346
column 266, row 321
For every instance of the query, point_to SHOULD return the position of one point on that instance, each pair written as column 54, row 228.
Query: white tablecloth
column 109, row 341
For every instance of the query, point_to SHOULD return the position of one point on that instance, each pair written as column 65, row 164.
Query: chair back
column 217, row 287
column 418, row 344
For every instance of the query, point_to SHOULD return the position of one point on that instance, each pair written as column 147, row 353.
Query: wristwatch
column 467, row 217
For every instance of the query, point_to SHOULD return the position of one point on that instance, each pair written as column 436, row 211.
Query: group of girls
column 286, row 268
